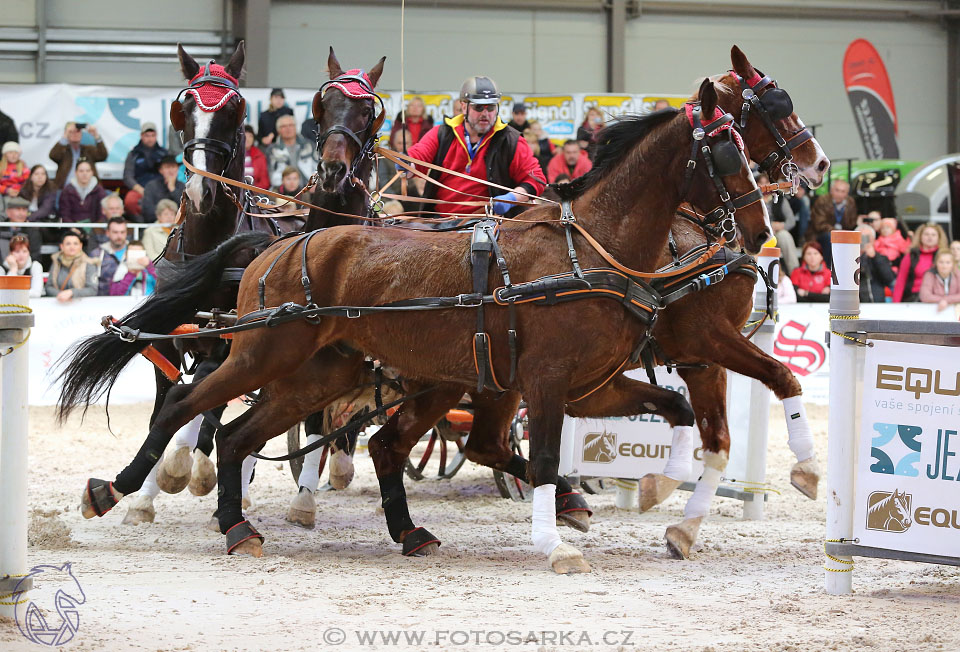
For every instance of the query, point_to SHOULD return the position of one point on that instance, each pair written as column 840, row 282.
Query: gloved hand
column 501, row 207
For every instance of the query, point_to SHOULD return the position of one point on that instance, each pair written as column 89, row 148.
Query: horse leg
column 246, row 476
column 341, row 449
column 709, row 406
column 303, row 509
column 625, row 396
column 389, row 449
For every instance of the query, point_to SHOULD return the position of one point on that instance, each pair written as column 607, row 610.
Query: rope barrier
column 21, row 310
column 849, row 337
column 836, row 560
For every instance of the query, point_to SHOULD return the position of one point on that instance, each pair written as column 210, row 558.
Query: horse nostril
column 823, row 166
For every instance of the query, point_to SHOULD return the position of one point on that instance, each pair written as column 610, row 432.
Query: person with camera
column 68, row 151
column 135, row 276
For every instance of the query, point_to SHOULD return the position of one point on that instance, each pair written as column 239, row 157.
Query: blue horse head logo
column 48, row 614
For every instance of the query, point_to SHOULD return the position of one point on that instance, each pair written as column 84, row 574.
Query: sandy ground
column 168, row 585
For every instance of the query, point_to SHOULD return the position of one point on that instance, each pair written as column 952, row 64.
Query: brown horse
column 565, row 351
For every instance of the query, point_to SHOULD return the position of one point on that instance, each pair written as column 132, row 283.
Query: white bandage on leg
column 699, row 503
column 189, row 434
column 149, row 486
column 246, row 470
column 681, row 454
column 799, row 437
column 310, row 474
column 544, row 525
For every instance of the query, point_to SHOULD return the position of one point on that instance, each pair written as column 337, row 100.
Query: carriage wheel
column 296, row 464
column 511, row 486
column 442, row 457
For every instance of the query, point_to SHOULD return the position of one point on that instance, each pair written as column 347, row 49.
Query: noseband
column 364, row 146
column 218, row 147
column 771, row 104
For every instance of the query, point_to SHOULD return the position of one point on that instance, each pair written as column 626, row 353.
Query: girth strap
column 481, row 252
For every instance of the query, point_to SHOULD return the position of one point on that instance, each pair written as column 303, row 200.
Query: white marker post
column 841, row 425
column 14, row 329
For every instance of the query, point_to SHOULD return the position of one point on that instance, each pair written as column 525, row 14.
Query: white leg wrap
column 188, row 435
column 149, row 487
column 544, row 525
column 799, row 437
column 310, row 475
column 699, row 503
column 681, row 454
column 246, row 470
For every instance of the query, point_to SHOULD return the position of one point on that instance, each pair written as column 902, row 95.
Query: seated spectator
column 72, row 274
column 836, row 210
column 166, row 186
column 518, row 118
column 142, row 167
column 135, row 276
column 812, row 278
column 955, row 250
column 562, row 178
column 782, row 220
column 891, row 243
column 111, row 206
column 927, row 241
column 290, row 182
column 80, row 199
column 876, row 274
column 416, row 121
column 155, row 237
column 542, row 148
column 267, row 124
column 40, row 193
column 13, row 173
column 255, row 161
column 800, row 205
column 290, row 149
column 587, row 133
column 571, row 161
column 941, row 283
column 386, row 171
column 17, row 212
column 785, row 292
column 111, row 253
column 68, row 152
column 19, row 263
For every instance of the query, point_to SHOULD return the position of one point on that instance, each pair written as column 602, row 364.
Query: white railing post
column 841, row 425
column 14, row 430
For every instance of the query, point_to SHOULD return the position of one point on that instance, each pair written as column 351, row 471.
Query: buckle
column 472, row 300
column 352, row 313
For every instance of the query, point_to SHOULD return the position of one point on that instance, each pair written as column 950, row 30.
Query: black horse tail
column 91, row 367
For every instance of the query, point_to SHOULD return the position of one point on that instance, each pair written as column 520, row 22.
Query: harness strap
column 262, row 282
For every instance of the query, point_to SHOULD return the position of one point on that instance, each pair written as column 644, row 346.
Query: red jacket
column 558, row 166
column 910, row 275
column 261, row 179
column 813, row 282
column 524, row 169
column 11, row 180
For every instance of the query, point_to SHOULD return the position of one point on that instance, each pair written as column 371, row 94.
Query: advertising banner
column 871, row 99
column 908, row 455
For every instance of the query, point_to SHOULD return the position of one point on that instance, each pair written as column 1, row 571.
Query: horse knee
column 678, row 411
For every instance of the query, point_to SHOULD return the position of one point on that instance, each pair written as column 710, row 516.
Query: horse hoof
column 174, row 472
column 341, row 470
column 566, row 560
column 680, row 537
column 214, row 524
column 805, row 476
column 141, row 511
column 303, row 509
column 579, row 521
column 426, row 551
column 654, row 489
column 250, row 547
column 203, row 477
column 105, row 501
column 246, row 503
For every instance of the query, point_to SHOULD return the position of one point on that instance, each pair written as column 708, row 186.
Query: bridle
column 772, row 104
column 722, row 158
column 366, row 138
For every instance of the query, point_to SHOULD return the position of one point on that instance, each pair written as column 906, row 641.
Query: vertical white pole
column 756, row 474
column 841, row 426
column 13, row 448
column 628, row 493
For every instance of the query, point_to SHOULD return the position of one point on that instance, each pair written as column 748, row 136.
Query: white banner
column 908, row 456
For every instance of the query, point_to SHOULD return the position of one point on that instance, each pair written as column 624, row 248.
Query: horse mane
column 614, row 143
column 881, row 504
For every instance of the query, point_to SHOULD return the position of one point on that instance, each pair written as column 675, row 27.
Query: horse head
column 349, row 114
column 900, row 508
column 210, row 113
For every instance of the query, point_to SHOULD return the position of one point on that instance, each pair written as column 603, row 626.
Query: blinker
column 726, row 158
column 777, row 102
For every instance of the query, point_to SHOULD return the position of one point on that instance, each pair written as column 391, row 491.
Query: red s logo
column 801, row 356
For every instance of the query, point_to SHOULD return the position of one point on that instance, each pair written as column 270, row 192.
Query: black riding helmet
column 480, row 90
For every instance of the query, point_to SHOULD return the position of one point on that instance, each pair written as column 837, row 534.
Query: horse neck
column 351, row 201
column 631, row 209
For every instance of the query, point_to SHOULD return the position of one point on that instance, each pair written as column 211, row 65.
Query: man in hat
column 519, row 120
column 267, row 125
column 17, row 210
column 142, row 167
column 477, row 143
column 166, row 186
column 68, row 151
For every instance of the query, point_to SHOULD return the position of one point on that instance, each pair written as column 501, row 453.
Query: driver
column 477, row 143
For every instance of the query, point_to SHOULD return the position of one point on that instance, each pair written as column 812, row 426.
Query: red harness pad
column 717, row 113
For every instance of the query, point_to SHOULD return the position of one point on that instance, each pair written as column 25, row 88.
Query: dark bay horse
column 626, row 205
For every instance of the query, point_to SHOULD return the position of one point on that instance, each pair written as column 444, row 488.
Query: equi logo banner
column 908, row 455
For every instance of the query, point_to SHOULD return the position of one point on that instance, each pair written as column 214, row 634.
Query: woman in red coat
column 255, row 161
column 812, row 278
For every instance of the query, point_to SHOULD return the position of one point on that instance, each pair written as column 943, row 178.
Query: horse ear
column 318, row 106
column 376, row 71
column 740, row 63
column 708, row 100
column 188, row 66
column 235, row 68
column 176, row 115
column 333, row 66
column 241, row 112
